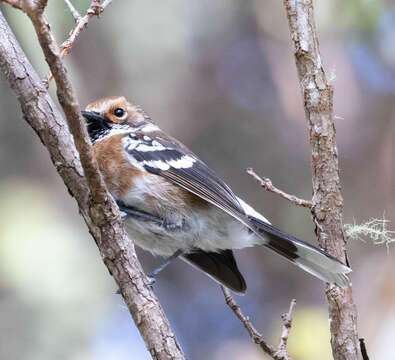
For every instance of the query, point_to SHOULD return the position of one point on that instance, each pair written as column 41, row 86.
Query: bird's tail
column 311, row 259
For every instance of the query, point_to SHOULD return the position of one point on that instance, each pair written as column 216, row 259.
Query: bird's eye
column 119, row 112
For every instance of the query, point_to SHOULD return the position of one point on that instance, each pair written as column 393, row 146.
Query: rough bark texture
column 327, row 207
column 95, row 204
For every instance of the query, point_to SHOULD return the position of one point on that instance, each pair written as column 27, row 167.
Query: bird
column 173, row 205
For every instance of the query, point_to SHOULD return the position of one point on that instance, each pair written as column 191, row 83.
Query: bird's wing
column 159, row 154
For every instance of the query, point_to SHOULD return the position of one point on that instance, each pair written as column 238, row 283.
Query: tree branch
column 68, row 101
column 287, row 324
column 74, row 12
column 95, row 9
column 267, row 184
column 95, row 204
column 327, row 207
column 277, row 354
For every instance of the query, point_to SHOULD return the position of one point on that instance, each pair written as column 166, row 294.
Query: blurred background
column 220, row 76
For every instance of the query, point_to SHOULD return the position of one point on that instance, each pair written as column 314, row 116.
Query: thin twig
column 73, row 10
column 287, row 324
column 95, row 9
column 255, row 335
column 106, row 3
column 268, row 185
column 67, row 99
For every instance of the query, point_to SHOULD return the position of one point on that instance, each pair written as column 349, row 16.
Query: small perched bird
column 175, row 205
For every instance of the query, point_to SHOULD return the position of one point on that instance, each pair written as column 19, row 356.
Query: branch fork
column 104, row 220
column 81, row 175
column 95, row 9
column 277, row 354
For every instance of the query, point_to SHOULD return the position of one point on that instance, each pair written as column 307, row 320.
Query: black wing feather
column 166, row 157
column 200, row 180
column 195, row 177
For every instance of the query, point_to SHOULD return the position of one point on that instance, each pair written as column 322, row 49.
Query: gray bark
column 327, row 209
column 95, row 204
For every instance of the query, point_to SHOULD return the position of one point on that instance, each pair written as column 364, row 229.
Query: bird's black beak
column 95, row 120
column 91, row 116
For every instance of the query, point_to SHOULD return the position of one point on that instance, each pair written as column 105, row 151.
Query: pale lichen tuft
column 374, row 229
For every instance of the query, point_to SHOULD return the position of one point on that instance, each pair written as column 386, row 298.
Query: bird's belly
column 198, row 224
column 208, row 229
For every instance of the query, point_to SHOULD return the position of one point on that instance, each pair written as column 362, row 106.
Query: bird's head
column 112, row 115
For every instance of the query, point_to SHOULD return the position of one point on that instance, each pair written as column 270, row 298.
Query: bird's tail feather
column 311, row 259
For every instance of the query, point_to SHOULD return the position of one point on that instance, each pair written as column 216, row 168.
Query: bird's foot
column 151, row 279
column 171, row 226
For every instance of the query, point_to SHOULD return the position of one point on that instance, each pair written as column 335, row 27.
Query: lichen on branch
column 374, row 229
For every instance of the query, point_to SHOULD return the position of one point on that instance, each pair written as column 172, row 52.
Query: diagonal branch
column 95, row 9
column 327, row 207
column 73, row 10
column 267, row 184
column 84, row 181
column 277, row 354
column 68, row 101
column 287, row 324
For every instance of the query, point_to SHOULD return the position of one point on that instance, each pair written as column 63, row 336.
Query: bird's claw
column 171, row 226
column 151, row 279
